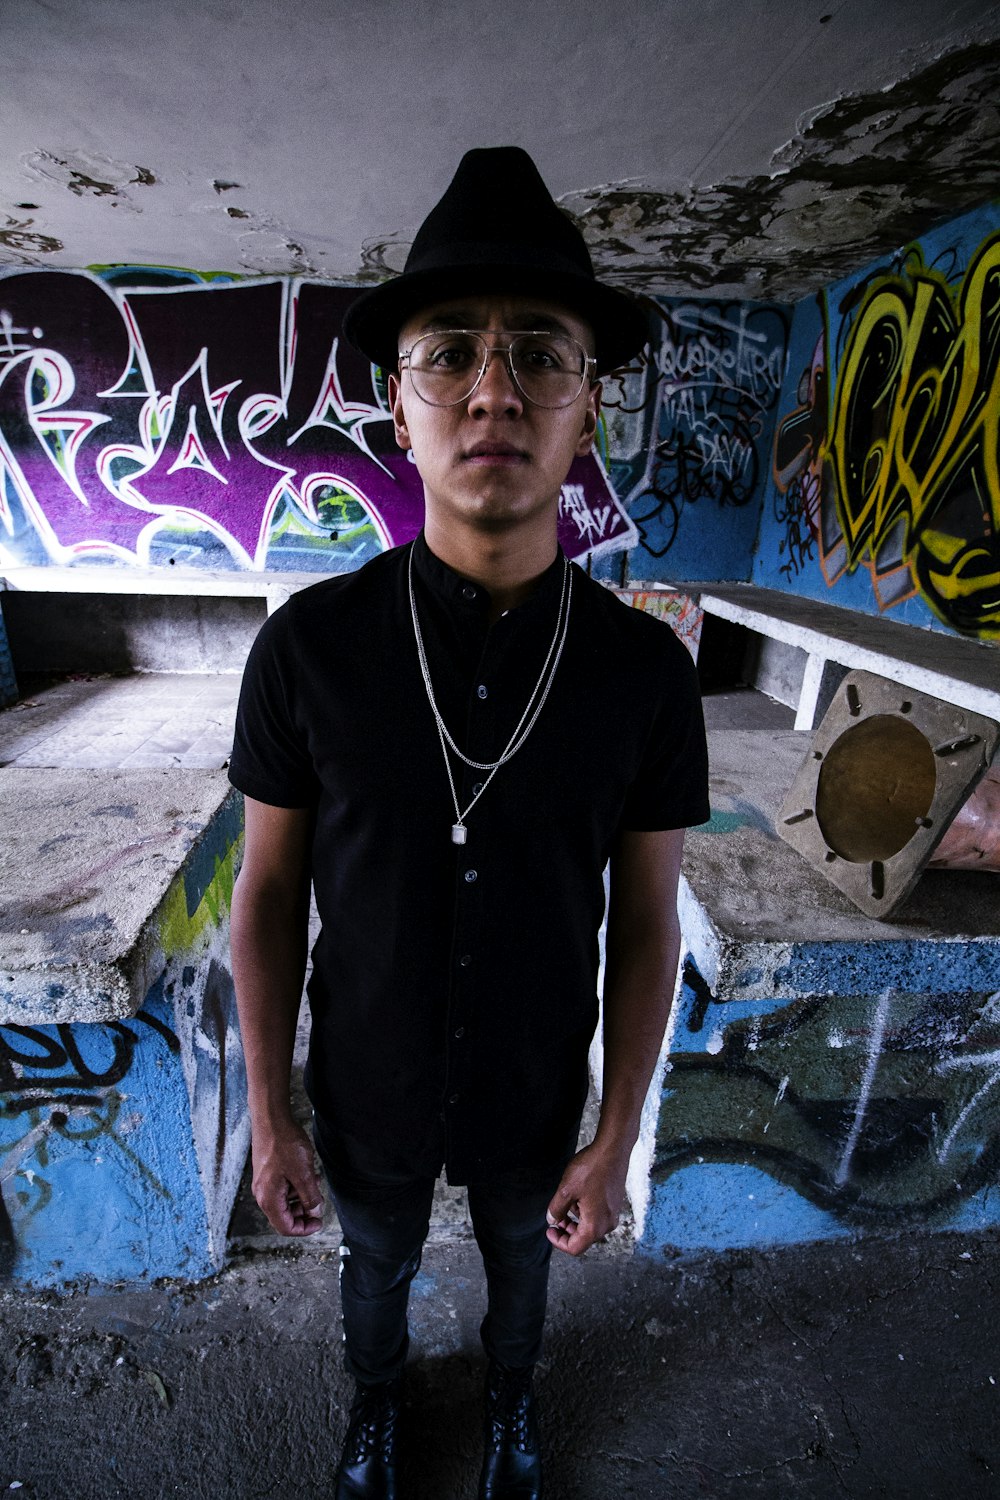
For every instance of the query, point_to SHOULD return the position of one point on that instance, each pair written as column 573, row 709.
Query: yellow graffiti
column 179, row 932
column 914, row 437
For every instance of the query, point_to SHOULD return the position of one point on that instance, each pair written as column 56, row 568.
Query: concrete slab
column 761, row 923
column 960, row 671
column 94, row 870
column 200, row 582
column 121, row 632
column 825, row 1075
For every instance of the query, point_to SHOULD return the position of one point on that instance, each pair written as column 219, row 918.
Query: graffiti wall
column 689, row 433
column 209, row 424
column 884, row 485
column 193, row 422
column 847, row 452
column 122, row 1142
column 823, row 1117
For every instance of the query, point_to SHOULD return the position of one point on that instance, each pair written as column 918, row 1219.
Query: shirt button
column 468, row 592
column 452, row 1098
column 482, row 691
column 477, row 788
column 471, row 875
column 459, row 1033
column 465, row 960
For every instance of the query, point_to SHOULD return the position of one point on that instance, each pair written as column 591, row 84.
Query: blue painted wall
column 689, row 432
column 100, row 1175
column 122, row 1143
column 784, row 1122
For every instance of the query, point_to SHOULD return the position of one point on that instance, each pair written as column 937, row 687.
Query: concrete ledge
column 118, row 580
column 761, row 923
column 275, row 588
column 101, row 872
column 964, row 672
column 123, row 1117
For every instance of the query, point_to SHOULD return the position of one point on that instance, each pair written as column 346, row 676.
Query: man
column 452, row 742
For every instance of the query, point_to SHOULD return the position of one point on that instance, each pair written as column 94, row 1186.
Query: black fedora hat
column 497, row 229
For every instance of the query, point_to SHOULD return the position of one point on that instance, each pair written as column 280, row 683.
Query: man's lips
column 486, row 452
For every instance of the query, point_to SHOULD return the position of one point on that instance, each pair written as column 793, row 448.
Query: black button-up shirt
column 454, row 987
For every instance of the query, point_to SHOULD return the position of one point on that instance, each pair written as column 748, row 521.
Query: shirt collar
column 470, row 597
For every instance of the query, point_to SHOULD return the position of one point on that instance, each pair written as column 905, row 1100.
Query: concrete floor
column 841, row 1370
column 99, row 721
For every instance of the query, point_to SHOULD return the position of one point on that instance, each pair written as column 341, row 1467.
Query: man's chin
column 501, row 506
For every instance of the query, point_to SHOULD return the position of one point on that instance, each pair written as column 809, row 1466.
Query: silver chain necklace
column 535, row 704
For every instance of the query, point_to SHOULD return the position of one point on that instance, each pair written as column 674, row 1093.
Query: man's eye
column 544, row 354
column 453, row 355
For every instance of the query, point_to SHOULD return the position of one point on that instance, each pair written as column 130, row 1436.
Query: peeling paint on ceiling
column 866, row 174
column 24, row 242
column 88, row 174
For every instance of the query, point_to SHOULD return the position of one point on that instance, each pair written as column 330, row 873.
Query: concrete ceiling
column 749, row 147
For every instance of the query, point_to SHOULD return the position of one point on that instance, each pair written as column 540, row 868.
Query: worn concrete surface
column 86, row 862
column 855, row 1370
column 865, row 1370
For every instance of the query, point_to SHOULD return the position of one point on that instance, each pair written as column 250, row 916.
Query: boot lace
column 372, row 1430
column 510, row 1410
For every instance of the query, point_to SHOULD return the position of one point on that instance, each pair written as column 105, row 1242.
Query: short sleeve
column 271, row 761
column 670, row 789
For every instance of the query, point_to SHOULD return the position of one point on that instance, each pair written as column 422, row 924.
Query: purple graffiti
column 215, row 410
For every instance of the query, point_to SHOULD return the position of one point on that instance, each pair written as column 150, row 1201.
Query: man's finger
column 305, row 1201
column 292, row 1208
column 563, row 1205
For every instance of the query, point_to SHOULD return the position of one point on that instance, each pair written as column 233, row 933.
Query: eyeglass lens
column 548, row 369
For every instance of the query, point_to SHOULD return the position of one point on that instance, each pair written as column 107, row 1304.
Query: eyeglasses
column 548, row 369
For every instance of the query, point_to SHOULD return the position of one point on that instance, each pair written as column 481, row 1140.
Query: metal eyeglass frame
column 589, row 364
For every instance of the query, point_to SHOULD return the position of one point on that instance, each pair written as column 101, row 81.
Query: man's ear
column 398, row 415
column 590, row 416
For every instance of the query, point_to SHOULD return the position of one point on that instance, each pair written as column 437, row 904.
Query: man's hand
column 588, row 1201
column 285, row 1181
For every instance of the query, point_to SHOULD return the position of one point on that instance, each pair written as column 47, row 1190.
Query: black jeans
column 385, row 1218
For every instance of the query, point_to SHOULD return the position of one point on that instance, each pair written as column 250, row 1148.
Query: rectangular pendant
column 459, row 833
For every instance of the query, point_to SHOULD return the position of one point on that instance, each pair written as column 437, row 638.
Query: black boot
column 367, row 1468
column 512, row 1465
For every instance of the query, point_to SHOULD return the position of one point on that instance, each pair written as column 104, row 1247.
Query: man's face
column 494, row 460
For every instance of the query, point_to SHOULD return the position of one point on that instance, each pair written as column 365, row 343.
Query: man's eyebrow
column 540, row 322
column 453, row 320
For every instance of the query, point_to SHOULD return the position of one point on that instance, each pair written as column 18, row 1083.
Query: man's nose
column 496, row 390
